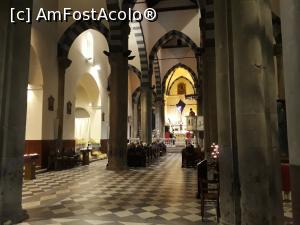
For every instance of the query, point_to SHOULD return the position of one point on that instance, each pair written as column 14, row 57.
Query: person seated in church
column 192, row 113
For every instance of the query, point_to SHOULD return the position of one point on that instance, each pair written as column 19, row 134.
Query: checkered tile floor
column 162, row 194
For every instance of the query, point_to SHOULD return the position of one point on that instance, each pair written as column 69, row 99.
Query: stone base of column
column 295, row 186
column 14, row 218
column 116, row 165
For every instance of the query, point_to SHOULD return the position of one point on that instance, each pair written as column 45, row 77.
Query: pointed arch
column 136, row 95
column 135, row 70
column 193, row 74
column 153, row 61
column 77, row 28
column 181, row 77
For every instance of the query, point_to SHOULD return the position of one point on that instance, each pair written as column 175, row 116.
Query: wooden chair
column 208, row 190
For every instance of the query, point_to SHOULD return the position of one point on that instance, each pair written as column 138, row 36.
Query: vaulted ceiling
column 171, row 5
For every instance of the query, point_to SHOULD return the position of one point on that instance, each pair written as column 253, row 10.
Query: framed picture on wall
column 69, row 107
column 103, row 117
column 51, row 101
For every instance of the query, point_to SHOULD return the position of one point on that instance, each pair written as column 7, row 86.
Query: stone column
column 135, row 120
column 118, row 58
column 63, row 64
column 118, row 112
column 250, row 110
column 200, row 98
column 270, row 85
column 229, row 174
column 146, row 114
column 209, row 77
column 14, row 69
column 159, row 112
column 280, row 76
column 290, row 17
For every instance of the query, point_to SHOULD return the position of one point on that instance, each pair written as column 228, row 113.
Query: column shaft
column 290, row 17
column 229, row 176
column 146, row 114
column 135, row 120
column 251, row 123
column 63, row 64
column 209, row 79
column 270, row 85
column 117, row 157
column 159, row 112
column 14, row 69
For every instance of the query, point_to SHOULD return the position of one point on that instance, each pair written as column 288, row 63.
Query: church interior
column 188, row 119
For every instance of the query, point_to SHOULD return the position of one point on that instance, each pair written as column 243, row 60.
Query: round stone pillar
column 118, row 58
column 117, row 154
column 270, row 85
column 208, row 70
column 290, row 18
column 14, row 70
column 135, row 120
column 146, row 114
column 228, row 162
column 159, row 112
column 251, row 122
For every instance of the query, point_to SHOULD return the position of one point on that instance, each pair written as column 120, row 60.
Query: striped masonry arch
column 156, row 70
column 139, row 35
column 163, row 40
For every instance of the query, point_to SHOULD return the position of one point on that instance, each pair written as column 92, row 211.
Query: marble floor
column 162, row 194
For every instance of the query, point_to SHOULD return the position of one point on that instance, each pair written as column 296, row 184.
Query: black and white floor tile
column 162, row 194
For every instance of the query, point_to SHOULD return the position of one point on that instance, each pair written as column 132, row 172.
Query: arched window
column 88, row 47
column 181, row 89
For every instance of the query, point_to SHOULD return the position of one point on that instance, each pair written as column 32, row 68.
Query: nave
column 163, row 193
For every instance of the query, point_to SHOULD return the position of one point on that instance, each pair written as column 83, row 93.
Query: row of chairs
column 191, row 156
column 143, row 155
column 65, row 159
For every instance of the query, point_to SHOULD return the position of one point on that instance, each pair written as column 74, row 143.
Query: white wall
column 34, row 114
column 44, row 43
column 81, row 66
